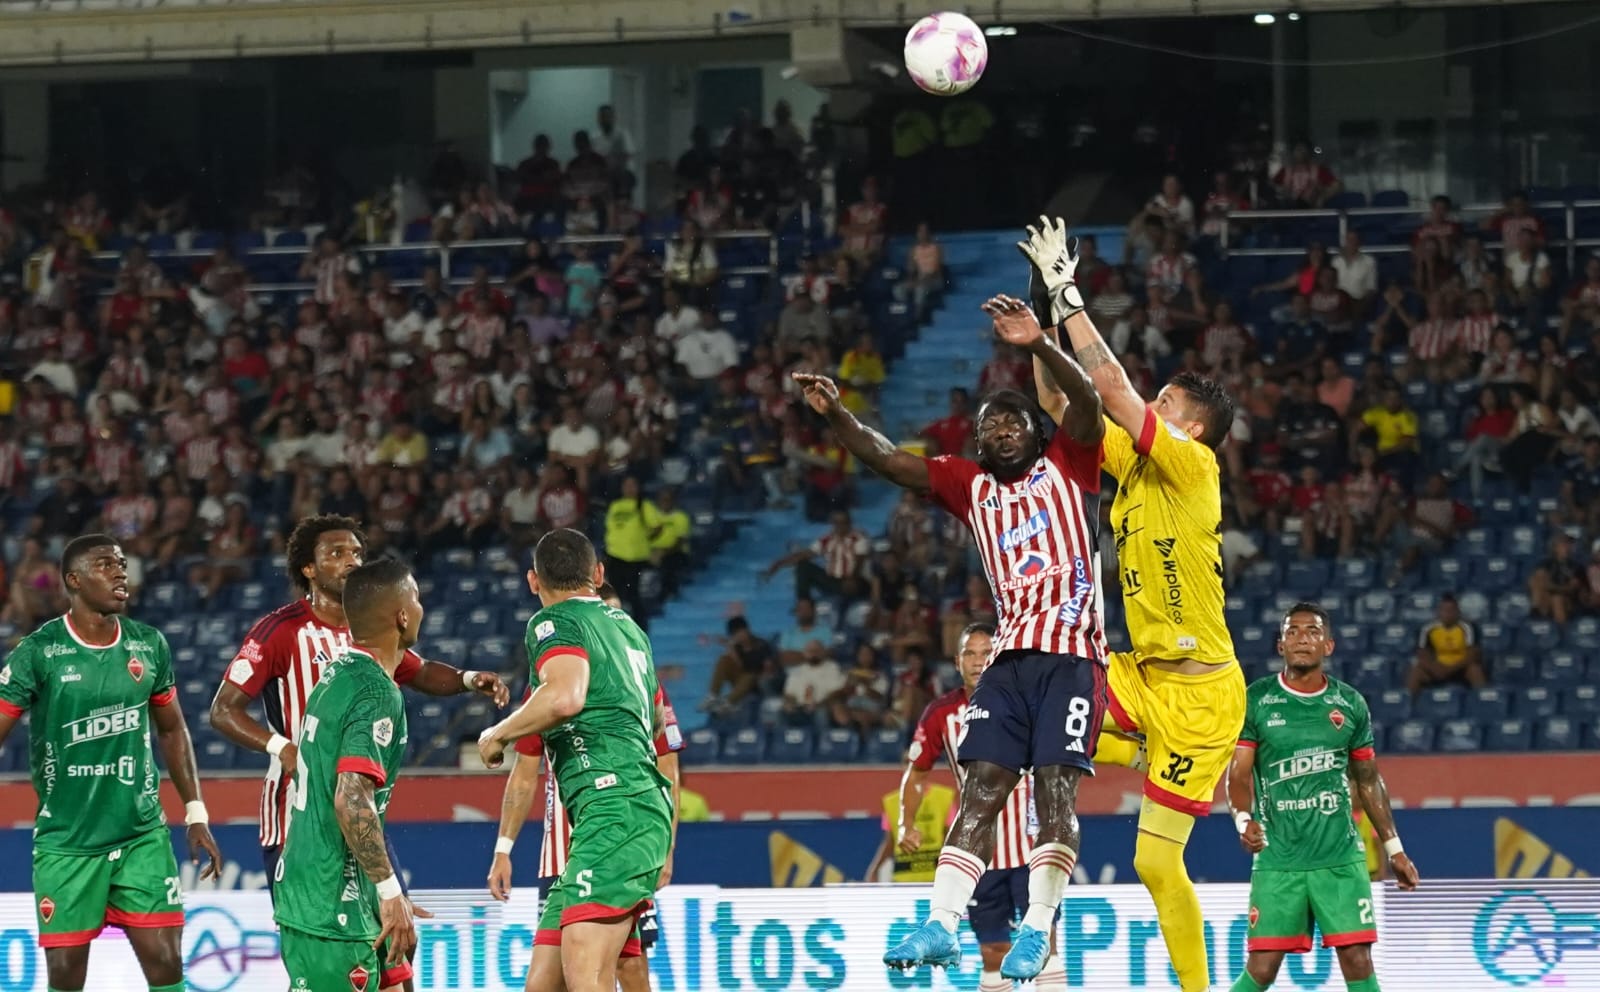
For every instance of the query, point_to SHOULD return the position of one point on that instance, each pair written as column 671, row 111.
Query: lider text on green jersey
column 1304, row 743
column 89, row 732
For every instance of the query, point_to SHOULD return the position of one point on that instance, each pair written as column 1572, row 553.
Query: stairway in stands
column 949, row 352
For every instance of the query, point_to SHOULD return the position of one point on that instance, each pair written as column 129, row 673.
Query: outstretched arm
column 435, row 678
column 1081, row 416
column 1374, row 798
column 873, row 449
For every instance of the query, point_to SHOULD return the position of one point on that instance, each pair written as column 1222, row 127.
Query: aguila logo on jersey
column 1034, row 563
column 1025, row 531
column 136, row 669
column 47, row 909
column 359, row 977
column 1337, row 719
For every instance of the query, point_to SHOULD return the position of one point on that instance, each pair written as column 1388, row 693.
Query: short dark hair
column 80, row 546
column 368, row 589
column 1215, row 408
column 736, row 624
column 301, row 550
column 1305, row 606
column 564, row 560
column 977, row 627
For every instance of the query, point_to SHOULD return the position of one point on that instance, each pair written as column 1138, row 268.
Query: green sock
column 1244, row 983
column 1368, row 984
column 169, row 988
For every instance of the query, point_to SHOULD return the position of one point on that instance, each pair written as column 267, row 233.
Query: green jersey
column 354, row 722
column 89, row 734
column 1304, row 745
column 608, row 749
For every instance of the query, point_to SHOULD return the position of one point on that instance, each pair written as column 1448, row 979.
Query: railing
column 442, row 251
column 1568, row 209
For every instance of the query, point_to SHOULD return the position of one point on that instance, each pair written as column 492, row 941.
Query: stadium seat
column 1584, row 633
column 436, row 623
column 885, row 747
column 1486, row 705
column 1411, row 737
column 1538, row 635
column 744, row 747
column 1447, row 572
column 1255, row 640
column 1477, row 542
column 1375, row 608
column 478, row 623
column 1513, row 607
column 1390, row 706
column 1417, row 608
column 701, row 746
column 1459, row 736
column 1536, row 702
column 1523, row 541
column 1394, row 639
column 1494, row 637
column 1559, row 669
column 1371, row 675
column 450, row 650
column 492, row 654
column 1354, row 575
column 1581, row 702
column 1475, row 606
column 1558, row 733
column 838, row 746
column 1508, row 735
column 1351, row 638
column 1439, row 703
column 790, row 746
column 1305, row 578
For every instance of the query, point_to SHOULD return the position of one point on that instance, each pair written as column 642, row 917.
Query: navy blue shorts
column 270, row 855
column 1034, row 710
column 998, row 905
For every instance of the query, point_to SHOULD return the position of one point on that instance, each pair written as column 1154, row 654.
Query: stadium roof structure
column 62, row 32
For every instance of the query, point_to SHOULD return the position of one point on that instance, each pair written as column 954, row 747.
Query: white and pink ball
column 946, row 53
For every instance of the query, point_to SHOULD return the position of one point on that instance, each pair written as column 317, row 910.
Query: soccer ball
column 946, row 53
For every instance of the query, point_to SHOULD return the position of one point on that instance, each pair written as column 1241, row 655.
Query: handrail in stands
column 1569, row 210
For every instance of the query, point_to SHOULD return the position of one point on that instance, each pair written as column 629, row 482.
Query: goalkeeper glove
column 1055, row 257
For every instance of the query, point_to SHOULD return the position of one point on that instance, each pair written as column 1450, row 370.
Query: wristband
column 276, row 743
column 503, row 845
column 1392, row 846
column 389, row 888
column 1240, row 820
column 466, row 680
column 194, row 813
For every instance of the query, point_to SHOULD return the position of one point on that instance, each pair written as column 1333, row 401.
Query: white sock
column 953, row 881
column 990, row 981
column 1054, row 975
column 1049, row 870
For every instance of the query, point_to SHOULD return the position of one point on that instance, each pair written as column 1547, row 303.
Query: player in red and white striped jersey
column 1031, row 508
column 1002, row 893
column 633, row 972
column 285, row 653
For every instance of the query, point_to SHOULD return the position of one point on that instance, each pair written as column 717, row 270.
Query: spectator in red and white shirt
column 863, row 225
column 1582, row 303
column 1305, row 182
column 1268, row 486
column 327, row 266
column 843, row 550
column 561, row 504
column 1219, row 203
column 466, row 518
column 1006, row 369
column 1475, row 330
column 1168, row 266
column 13, row 469
column 1431, row 345
column 1224, row 344
column 1172, row 207
column 1510, row 221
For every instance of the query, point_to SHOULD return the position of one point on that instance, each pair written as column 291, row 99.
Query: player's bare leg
column 160, row 954
column 67, row 968
column 1355, row 963
column 589, row 952
column 544, row 971
column 1050, row 866
column 968, row 848
column 1260, row 971
column 633, row 974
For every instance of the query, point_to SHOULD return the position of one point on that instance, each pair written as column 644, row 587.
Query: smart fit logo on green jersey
column 123, row 770
column 110, row 721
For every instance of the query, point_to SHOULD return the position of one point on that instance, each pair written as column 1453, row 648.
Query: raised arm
column 435, row 678
column 563, row 688
column 873, row 449
column 1081, row 413
column 1374, row 798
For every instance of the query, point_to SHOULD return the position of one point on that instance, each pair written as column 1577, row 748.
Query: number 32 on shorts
column 1178, row 768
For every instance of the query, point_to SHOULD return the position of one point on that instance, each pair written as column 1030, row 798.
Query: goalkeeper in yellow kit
column 1181, row 686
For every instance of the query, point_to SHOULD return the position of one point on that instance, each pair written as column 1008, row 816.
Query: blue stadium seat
column 1355, row 575
column 1447, row 572
column 1391, row 706
column 479, row 622
column 1459, row 736
column 215, row 754
column 1508, row 735
column 1475, row 606
column 1371, row 675
column 1536, row 702
column 1411, row 737
column 1558, row 733
column 1560, row 669
column 492, row 654
column 790, row 746
column 1584, row 633
column 1394, row 639
column 1439, row 703
column 1254, row 640
column 1352, row 638
column 214, row 631
column 1375, row 607
column 1477, row 542
column 169, row 596
column 1306, row 578
column 437, row 622
column 450, row 650
column 1495, row 637
column 703, row 745
column 1417, row 608
column 251, row 597
column 1487, row 704
column 1581, row 702
column 1523, row 541
column 885, row 747
column 1391, row 198
column 1513, row 607
column 838, row 746
column 744, row 747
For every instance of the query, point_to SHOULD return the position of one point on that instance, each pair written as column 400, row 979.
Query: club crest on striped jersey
column 1038, row 480
column 136, row 669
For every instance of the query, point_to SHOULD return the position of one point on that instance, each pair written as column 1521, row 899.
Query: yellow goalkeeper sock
column 1116, row 750
column 1159, row 862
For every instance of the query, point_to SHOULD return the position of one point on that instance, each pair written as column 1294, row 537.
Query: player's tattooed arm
column 355, row 806
column 1374, row 797
column 1123, row 404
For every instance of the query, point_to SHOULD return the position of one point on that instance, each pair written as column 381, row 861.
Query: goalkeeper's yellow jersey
column 1167, row 519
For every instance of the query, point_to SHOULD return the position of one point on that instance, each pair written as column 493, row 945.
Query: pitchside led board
column 1460, row 936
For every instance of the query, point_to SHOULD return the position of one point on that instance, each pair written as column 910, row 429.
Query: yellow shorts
column 1190, row 724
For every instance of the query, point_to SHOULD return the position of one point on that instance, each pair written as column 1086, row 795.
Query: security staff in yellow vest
column 933, row 816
